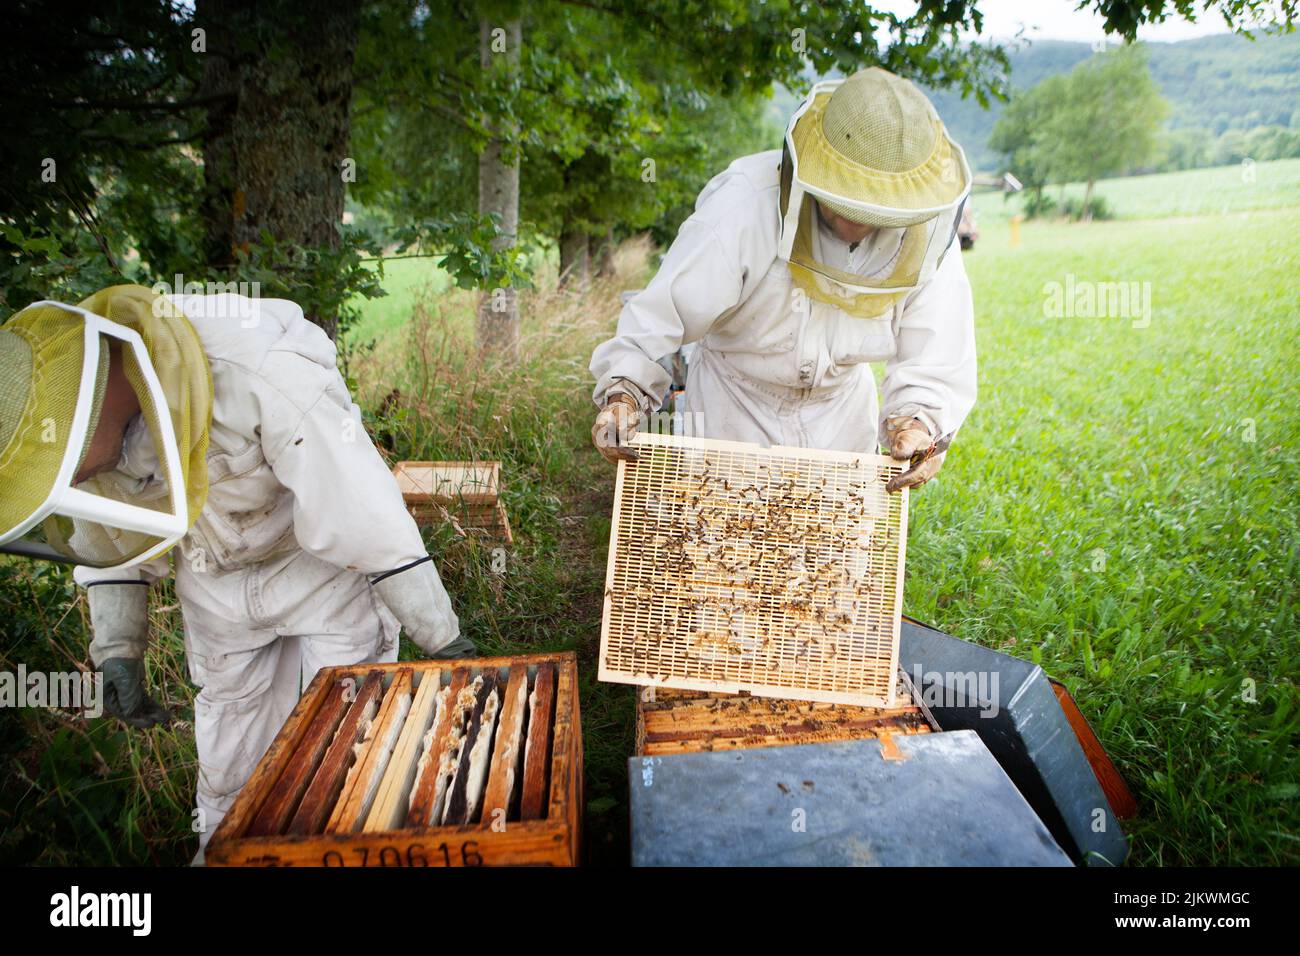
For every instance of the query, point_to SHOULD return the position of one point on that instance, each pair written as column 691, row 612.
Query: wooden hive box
column 424, row 763
column 465, row 493
column 671, row 721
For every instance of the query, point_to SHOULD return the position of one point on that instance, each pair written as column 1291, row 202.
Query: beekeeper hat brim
column 873, row 150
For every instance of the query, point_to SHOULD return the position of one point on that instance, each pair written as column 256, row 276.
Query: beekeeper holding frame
column 798, row 268
column 214, row 432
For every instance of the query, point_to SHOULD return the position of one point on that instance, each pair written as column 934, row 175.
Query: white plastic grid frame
column 773, row 571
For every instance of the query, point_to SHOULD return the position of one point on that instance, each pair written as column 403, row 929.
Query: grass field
column 406, row 282
column 1120, row 507
column 1193, row 192
column 1122, row 510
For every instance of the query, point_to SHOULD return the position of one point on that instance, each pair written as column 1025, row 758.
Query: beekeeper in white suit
column 294, row 550
column 798, row 268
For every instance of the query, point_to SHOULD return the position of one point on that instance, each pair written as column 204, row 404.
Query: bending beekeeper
column 798, row 268
column 220, row 425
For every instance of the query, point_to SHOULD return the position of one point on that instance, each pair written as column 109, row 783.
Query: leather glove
column 125, row 697
column 909, row 437
column 418, row 600
column 615, row 426
column 119, row 620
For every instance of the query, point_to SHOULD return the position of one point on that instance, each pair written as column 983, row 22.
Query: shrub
column 1072, row 208
column 1038, row 205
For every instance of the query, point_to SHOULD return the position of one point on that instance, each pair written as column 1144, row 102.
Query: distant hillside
column 1214, row 84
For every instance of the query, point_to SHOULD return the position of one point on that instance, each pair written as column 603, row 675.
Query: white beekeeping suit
column 783, row 351
column 303, row 554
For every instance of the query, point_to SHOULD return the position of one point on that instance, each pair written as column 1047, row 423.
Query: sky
column 1059, row 20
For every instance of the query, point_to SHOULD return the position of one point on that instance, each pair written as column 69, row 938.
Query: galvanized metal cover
column 1011, row 705
column 947, row 803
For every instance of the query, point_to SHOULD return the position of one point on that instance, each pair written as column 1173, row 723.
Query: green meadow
column 1219, row 190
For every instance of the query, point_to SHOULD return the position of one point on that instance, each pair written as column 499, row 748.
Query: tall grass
column 78, row 791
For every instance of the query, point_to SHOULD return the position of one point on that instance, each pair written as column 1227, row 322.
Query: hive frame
column 855, row 665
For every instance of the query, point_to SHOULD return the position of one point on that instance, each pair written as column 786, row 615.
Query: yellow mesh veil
column 834, row 286
column 41, row 414
column 30, row 460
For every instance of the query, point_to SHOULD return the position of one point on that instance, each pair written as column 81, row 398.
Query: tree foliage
column 1102, row 118
column 1109, row 118
column 1019, row 132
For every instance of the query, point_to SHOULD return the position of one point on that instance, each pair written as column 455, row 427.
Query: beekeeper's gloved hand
column 119, row 617
column 418, row 600
column 615, row 426
column 125, row 697
column 906, row 437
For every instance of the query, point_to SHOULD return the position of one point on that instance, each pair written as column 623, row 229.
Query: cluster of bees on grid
column 790, row 543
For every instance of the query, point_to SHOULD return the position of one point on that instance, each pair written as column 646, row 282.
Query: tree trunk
column 274, row 152
column 1085, row 214
column 605, row 254
column 498, row 192
column 575, row 258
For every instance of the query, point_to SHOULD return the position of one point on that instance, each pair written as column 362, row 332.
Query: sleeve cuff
column 625, row 387
column 926, row 415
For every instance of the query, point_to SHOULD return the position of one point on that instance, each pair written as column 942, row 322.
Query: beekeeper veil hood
column 56, row 362
column 871, row 149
